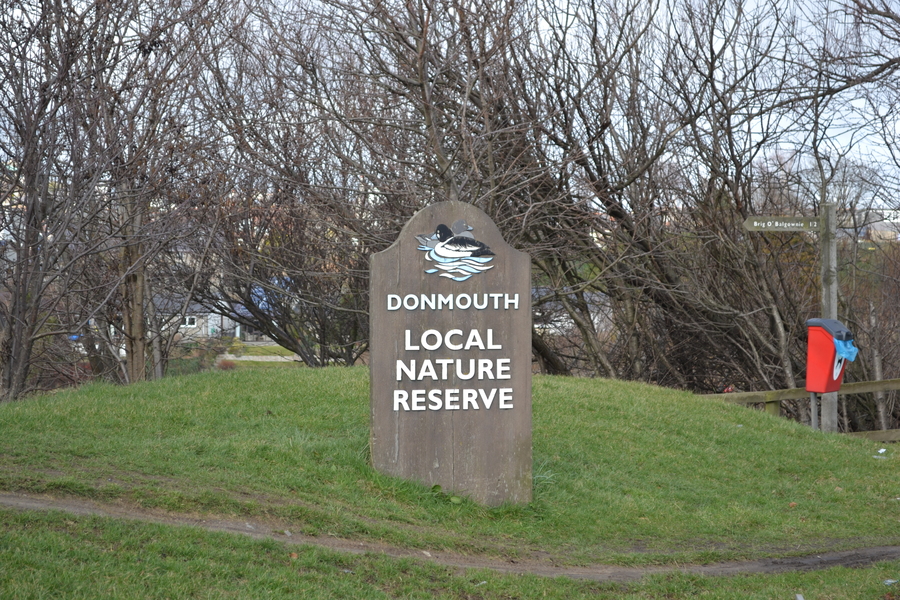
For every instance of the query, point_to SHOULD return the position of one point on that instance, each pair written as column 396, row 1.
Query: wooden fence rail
column 773, row 398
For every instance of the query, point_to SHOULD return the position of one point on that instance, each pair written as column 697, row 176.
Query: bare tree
column 143, row 120
column 48, row 182
column 92, row 145
column 287, row 255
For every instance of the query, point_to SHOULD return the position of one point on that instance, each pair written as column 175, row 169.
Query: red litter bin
column 824, row 363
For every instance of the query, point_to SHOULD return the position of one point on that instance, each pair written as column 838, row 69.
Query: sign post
column 826, row 226
column 828, row 241
column 450, row 357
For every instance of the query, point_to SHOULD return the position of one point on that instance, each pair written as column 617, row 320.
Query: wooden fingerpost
column 450, row 357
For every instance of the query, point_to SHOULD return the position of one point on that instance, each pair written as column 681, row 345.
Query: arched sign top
column 454, row 240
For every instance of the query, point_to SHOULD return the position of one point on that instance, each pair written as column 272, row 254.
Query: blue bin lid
column 837, row 329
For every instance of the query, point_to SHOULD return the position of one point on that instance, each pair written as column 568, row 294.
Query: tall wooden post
column 827, row 237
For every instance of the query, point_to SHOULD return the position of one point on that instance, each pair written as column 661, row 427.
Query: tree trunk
column 877, row 367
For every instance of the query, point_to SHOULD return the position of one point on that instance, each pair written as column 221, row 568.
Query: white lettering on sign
column 458, row 370
column 453, row 301
column 452, row 399
column 433, row 339
column 443, row 369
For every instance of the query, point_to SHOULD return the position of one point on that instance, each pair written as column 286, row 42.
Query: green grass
column 273, row 350
column 624, row 473
column 245, row 365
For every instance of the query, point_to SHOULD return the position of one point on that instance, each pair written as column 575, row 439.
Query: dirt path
column 257, row 529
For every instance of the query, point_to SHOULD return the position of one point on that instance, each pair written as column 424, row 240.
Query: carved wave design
column 457, row 269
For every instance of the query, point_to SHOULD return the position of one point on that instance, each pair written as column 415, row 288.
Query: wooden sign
column 781, row 224
column 450, row 357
